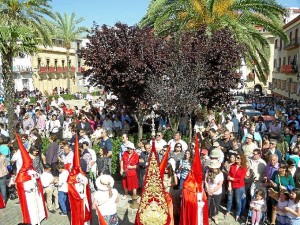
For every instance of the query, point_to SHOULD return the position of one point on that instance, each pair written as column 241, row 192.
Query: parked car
column 252, row 113
column 244, row 107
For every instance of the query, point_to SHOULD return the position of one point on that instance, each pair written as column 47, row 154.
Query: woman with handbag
column 280, row 181
column 129, row 163
column 213, row 185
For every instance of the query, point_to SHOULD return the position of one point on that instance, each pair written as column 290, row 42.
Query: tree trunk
column 174, row 122
column 68, row 74
column 9, row 91
column 139, row 119
column 190, row 129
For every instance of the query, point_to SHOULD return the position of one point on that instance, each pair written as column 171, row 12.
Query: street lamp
column 152, row 115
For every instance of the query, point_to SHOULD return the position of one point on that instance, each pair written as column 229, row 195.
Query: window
column 291, row 36
column 48, row 64
column 276, row 43
column 279, row 62
column 63, row 63
column 39, row 63
column 283, row 63
column 280, row 44
column 275, row 63
column 55, row 64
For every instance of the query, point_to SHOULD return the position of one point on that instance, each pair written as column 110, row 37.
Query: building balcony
column 294, row 43
column 43, row 69
column 289, row 68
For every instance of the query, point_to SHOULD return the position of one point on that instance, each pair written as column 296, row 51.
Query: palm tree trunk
column 9, row 90
column 68, row 74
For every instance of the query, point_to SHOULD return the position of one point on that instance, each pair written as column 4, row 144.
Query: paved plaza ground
column 11, row 215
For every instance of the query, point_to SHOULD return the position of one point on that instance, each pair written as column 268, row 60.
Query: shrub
column 46, row 144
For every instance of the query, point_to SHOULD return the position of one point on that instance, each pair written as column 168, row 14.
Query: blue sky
column 110, row 11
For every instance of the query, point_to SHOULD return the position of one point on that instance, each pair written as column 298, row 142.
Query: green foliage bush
column 46, row 144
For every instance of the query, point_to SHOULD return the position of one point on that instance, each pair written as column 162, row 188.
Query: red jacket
column 238, row 175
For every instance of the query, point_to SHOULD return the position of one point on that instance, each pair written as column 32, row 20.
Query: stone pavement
column 11, row 215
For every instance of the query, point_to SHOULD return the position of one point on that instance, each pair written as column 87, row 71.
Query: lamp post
column 152, row 115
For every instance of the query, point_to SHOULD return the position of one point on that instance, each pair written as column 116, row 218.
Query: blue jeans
column 239, row 194
column 181, row 182
column 63, row 201
column 3, row 187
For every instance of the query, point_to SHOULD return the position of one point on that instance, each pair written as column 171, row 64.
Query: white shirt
column 294, row 206
column 47, row 179
column 172, row 143
column 159, row 144
column 107, row 124
column 215, row 182
column 94, row 158
column 17, row 158
column 62, row 181
column 229, row 126
column 68, row 159
column 107, row 206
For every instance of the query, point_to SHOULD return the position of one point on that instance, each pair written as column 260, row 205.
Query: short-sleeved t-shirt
column 212, row 185
column 107, row 206
column 294, row 206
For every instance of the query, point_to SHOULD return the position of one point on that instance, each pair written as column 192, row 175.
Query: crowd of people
column 249, row 162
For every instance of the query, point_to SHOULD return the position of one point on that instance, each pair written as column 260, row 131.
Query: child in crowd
column 102, row 163
column 293, row 208
column 283, row 202
column 50, row 190
column 63, row 189
column 257, row 205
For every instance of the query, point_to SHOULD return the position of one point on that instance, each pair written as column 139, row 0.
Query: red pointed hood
column 164, row 162
column 27, row 163
column 76, row 160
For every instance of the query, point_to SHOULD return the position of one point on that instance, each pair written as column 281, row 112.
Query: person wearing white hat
column 213, row 185
column 106, row 198
column 128, row 169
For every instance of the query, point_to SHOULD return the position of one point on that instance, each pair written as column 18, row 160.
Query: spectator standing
column 63, row 189
column 51, row 155
column 50, row 190
column 129, row 163
column 213, row 184
column 177, row 140
column 107, row 147
column 236, row 185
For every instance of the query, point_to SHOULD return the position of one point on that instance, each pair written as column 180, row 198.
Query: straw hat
column 214, row 164
column 215, row 153
column 104, row 181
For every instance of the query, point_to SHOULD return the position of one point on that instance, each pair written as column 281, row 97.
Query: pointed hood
column 100, row 217
column 27, row 163
column 76, row 160
column 191, row 187
column 164, row 162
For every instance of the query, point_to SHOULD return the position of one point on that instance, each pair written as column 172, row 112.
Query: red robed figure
column 23, row 177
column 80, row 213
column 191, row 187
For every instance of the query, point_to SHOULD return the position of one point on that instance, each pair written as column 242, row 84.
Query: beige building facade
column 50, row 68
column 286, row 74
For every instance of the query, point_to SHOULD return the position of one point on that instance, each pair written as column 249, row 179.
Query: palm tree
column 66, row 29
column 240, row 16
column 21, row 29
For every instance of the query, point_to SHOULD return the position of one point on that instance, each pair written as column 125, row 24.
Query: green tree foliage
column 240, row 16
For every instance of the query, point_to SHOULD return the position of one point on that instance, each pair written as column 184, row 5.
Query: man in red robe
column 194, row 207
column 79, row 192
column 30, row 190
